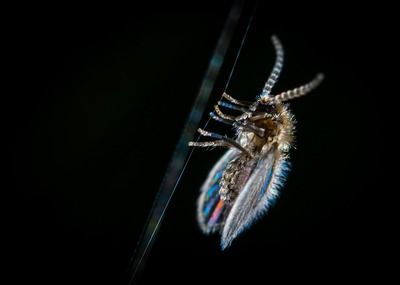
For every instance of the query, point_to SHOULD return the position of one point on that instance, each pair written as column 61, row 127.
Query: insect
column 246, row 180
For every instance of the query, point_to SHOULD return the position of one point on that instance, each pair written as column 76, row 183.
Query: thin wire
column 169, row 183
column 226, row 87
column 240, row 48
column 138, row 263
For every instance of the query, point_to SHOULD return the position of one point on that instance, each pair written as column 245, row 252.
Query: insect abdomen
column 235, row 177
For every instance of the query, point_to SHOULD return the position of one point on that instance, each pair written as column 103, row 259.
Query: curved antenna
column 276, row 71
column 296, row 92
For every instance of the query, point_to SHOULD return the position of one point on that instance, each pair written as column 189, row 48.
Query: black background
column 99, row 100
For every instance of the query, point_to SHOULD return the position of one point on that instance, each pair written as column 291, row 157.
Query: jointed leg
column 208, row 144
column 222, row 141
column 224, row 116
column 246, row 125
column 221, row 120
column 246, row 111
column 233, row 107
column 235, row 101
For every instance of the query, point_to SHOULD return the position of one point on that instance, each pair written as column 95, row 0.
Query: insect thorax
column 276, row 124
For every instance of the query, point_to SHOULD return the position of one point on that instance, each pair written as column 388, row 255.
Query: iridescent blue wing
column 259, row 192
column 211, row 211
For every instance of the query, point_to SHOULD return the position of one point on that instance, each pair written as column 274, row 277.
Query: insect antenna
column 296, row 92
column 276, row 70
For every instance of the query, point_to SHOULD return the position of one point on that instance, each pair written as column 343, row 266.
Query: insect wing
column 259, row 192
column 211, row 210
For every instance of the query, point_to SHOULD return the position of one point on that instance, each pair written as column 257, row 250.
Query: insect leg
column 235, row 101
column 246, row 125
column 246, row 111
column 233, row 107
column 224, row 116
column 228, row 141
column 207, row 144
column 216, row 143
column 220, row 119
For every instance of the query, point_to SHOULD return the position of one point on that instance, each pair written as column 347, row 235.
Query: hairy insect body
column 246, row 180
column 278, row 134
